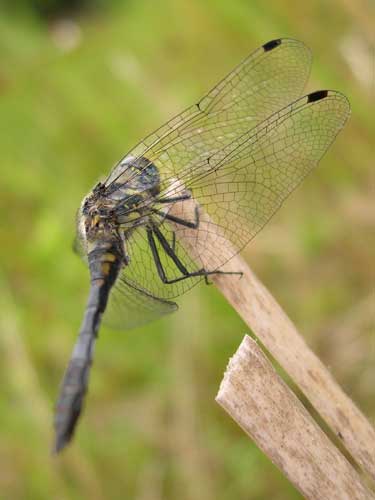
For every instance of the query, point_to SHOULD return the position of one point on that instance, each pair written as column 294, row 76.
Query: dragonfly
column 237, row 154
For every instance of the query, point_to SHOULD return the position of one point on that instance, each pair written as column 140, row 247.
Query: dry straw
column 260, row 402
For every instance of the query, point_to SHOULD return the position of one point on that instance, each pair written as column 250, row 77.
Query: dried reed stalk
column 270, row 324
column 268, row 411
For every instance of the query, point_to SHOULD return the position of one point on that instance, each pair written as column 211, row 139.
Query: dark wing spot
column 316, row 96
column 271, row 45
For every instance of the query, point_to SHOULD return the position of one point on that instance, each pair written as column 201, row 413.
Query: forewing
column 240, row 151
column 268, row 79
column 238, row 190
column 244, row 184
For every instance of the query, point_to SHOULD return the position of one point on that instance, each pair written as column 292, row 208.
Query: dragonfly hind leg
column 172, row 254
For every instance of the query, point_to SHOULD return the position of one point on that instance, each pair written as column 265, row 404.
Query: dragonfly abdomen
column 105, row 263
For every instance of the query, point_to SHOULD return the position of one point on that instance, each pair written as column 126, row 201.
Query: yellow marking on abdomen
column 106, row 267
column 109, row 257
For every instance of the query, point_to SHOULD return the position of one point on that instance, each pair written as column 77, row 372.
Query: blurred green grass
column 75, row 94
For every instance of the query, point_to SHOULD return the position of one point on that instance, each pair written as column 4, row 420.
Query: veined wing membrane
column 130, row 306
column 268, row 79
column 240, row 188
column 139, row 294
column 248, row 180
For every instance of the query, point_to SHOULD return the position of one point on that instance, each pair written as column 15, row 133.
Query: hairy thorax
column 112, row 212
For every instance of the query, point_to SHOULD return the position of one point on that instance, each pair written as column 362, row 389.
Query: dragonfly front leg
column 178, row 220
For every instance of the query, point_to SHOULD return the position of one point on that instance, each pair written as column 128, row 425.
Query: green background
column 77, row 90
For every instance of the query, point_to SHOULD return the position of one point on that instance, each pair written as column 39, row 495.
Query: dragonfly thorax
column 123, row 204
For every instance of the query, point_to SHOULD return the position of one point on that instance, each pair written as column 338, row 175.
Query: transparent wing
column 240, row 157
column 238, row 189
column 142, row 268
column 130, row 306
column 268, row 79
column 247, row 181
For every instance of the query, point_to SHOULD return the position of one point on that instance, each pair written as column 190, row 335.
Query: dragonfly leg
column 173, row 199
column 205, row 274
column 159, row 265
column 173, row 246
column 156, row 256
column 170, row 252
column 178, row 220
